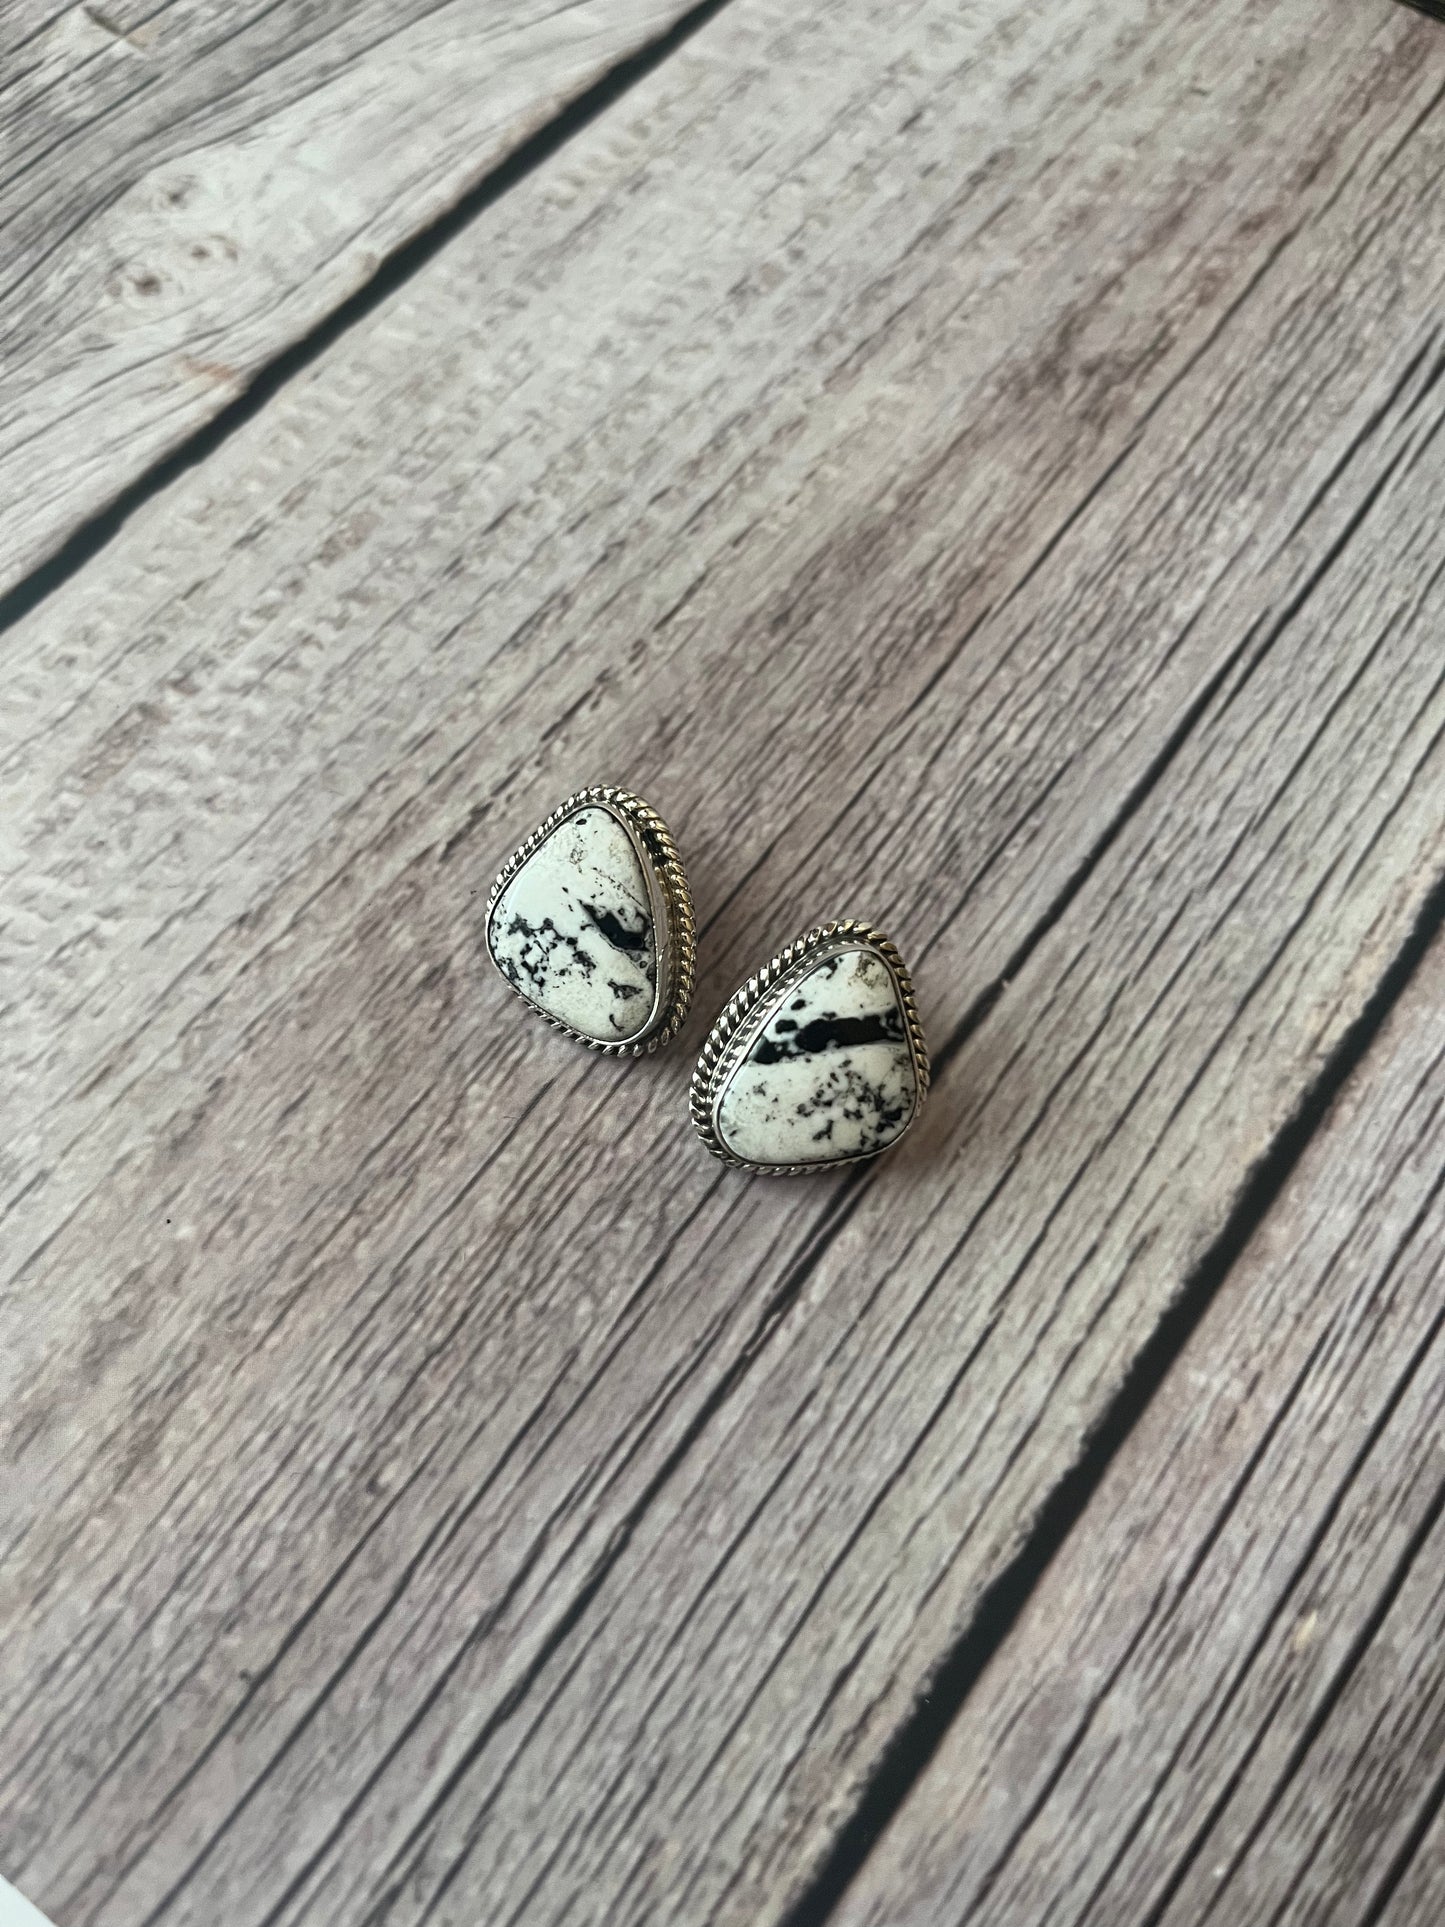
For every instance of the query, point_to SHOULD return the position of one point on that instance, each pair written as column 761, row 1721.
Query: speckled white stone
column 830, row 1073
column 573, row 930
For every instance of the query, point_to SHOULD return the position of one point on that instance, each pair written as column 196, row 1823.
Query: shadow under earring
column 591, row 923
column 818, row 1060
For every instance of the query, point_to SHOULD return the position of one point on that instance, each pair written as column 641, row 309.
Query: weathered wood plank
column 1227, row 1698
column 186, row 191
column 1419, row 1897
column 392, row 1361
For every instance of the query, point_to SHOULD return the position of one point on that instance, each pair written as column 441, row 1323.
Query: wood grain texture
column 1012, row 515
column 1227, row 1699
column 186, row 191
column 1421, row 1892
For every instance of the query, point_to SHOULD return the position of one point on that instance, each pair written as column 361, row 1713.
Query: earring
column 591, row 923
column 819, row 1060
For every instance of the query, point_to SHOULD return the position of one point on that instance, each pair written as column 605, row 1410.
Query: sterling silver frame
column 672, row 915
column 734, row 1033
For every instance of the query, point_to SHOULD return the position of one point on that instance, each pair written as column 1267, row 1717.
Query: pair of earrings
column 817, row 1061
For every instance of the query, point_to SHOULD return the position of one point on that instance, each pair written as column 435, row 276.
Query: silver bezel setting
column 732, row 1037
column 672, row 915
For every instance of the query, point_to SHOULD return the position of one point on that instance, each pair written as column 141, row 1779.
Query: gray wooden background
column 971, row 464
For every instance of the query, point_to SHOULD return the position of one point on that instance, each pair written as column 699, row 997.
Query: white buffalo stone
column 829, row 1074
column 573, row 930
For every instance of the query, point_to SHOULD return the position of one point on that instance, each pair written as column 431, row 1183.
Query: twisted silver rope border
column 715, row 1059
column 681, row 934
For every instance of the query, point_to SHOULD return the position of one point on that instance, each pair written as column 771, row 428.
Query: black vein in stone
column 827, row 1032
column 609, row 925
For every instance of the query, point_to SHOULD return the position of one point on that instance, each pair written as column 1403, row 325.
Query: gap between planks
column 1177, row 1356
column 199, row 205
column 1224, row 1698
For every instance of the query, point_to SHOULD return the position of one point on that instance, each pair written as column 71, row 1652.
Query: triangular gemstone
column 574, row 928
column 826, row 1070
